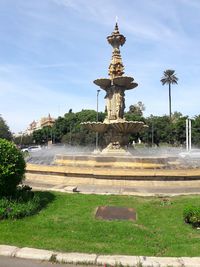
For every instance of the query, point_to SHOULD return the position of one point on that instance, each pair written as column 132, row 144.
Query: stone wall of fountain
column 115, row 128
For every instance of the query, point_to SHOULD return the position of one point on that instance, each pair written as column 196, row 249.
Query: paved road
column 16, row 262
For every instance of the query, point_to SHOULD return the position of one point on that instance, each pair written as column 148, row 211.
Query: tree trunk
column 170, row 108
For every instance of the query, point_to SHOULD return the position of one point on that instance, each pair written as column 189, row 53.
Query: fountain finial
column 116, row 39
column 116, row 30
column 116, row 68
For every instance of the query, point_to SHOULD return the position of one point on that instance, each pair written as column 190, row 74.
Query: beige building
column 47, row 121
column 36, row 125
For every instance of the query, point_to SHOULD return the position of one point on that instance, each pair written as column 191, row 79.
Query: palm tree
column 169, row 78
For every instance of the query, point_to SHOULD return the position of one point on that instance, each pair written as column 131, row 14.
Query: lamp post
column 98, row 91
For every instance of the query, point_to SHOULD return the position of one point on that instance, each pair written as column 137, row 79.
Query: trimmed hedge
column 12, row 168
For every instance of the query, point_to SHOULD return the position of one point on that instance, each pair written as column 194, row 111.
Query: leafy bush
column 25, row 203
column 23, row 193
column 12, row 168
column 191, row 215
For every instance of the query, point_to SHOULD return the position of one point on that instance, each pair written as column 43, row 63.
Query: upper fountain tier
column 124, row 81
column 116, row 67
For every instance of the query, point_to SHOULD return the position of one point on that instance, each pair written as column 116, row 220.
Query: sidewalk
column 83, row 258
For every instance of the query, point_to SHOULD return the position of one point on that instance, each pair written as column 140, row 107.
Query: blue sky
column 52, row 50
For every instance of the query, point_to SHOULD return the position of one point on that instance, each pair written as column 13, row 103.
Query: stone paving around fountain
column 111, row 186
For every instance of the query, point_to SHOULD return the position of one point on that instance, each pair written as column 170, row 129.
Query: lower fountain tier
column 125, row 127
column 116, row 133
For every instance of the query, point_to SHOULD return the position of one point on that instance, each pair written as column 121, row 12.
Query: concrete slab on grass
column 76, row 258
column 8, row 250
column 160, row 261
column 118, row 259
column 35, row 254
column 191, row 261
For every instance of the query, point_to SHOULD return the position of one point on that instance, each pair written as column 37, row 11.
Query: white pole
column 186, row 134
column 190, row 135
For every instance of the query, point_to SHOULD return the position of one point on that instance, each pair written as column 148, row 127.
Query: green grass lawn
column 68, row 224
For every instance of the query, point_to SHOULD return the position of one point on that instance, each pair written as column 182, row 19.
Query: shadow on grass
column 45, row 198
column 30, row 203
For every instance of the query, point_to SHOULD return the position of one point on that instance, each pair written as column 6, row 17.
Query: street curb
column 34, row 254
column 84, row 258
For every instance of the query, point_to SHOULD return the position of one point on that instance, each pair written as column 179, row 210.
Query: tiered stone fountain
column 114, row 159
column 115, row 128
column 117, row 169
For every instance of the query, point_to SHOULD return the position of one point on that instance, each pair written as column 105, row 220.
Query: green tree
column 179, row 130
column 196, row 131
column 4, row 130
column 42, row 136
column 81, row 135
column 176, row 116
column 137, row 109
column 160, row 130
column 68, row 129
column 169, row 78
column 23, row 140
column 135, row 113
column 59, row 129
